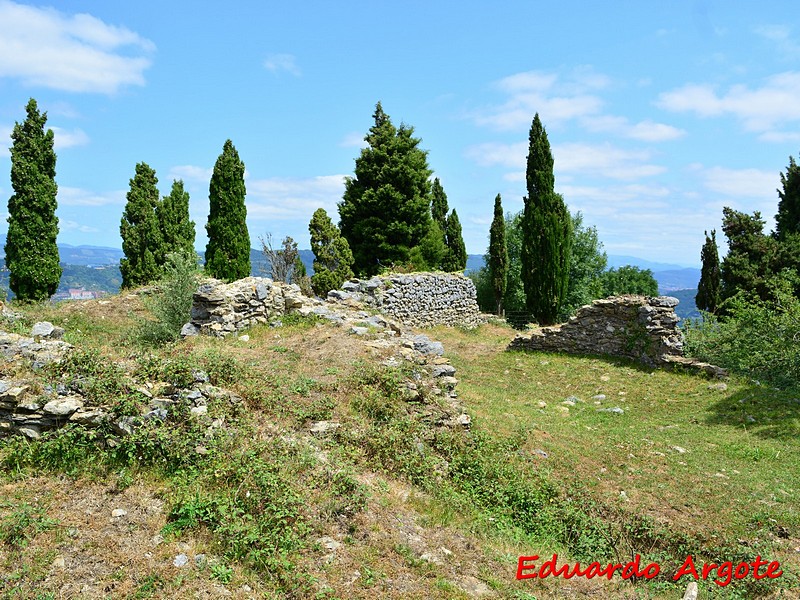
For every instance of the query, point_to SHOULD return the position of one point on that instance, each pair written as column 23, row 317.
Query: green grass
column 685, row 469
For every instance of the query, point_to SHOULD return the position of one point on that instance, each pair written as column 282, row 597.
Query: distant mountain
column 680, row 279
column 617, row 260
column 686, row 309
column 89, row 256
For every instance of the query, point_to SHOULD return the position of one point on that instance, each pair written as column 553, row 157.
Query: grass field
column 387, row 505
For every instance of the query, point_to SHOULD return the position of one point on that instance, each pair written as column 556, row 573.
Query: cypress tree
column 787, row 221
column 31, row 250
column 333, row 259
column 455, row 258
column 228, row 249
column 141, row 235
column 498, row 255
column 177, row 230
column 546, row 233
column 439, row 207
column 707, row 297
column 385, row 211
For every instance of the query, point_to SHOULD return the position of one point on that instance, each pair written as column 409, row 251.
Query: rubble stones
column 45, row 329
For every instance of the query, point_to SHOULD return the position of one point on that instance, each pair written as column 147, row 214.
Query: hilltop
column 320, row 467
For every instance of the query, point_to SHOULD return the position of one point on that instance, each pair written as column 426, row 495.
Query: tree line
column 393, row 216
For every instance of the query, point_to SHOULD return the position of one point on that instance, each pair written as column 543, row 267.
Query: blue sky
column 658, row 113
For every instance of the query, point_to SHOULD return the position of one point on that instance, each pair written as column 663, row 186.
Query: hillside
column 304, row 461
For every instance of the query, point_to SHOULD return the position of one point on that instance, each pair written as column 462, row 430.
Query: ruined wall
column 219, row 309
column 638, row 327
column 418, row 300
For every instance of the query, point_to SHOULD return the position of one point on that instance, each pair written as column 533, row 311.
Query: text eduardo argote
column 722, row 574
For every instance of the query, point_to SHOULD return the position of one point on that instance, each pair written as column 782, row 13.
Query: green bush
column 172, row 305
column 757, row 339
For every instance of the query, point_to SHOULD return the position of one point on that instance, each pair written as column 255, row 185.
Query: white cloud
column 293, row 198
column 276, row 63
column 78, row 53
column 554, row 97
column 558, row 99
column 67, row 139
column 75, row 226
column 741, row 183
column 780, row 35
column 63, row 138
column 645, row 131
column 604, row 160
column 191, row 174
column 767, row 110
column 354, row 139
column 513, row 156
column 71, row 196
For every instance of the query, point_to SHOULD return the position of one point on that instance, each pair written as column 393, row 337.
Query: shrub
column 172, row 306
column 756, row 338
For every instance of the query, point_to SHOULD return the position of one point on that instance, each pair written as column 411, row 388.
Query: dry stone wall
column 638, row 327
column 418, row 300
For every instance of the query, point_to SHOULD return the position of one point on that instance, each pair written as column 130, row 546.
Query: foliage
column 23, row 524
column 177, row 230
column 31, row 253
column 281, row 261
column 787, row 221
column 385, row 210
column 228, row 248
column 333, row 260
column 514, row 298
column 140, row 232
column 756, row 338
column 751, row 254
column 546, row 231
column 628, row 280
column 707, row 297
column 455, row 257
column 172, row 305
column 431, row 251
column 439, row 205
column 587, row 264
column 498, row 255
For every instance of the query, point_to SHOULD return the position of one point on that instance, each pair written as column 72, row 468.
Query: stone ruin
column 641, row 328
column 418, row 300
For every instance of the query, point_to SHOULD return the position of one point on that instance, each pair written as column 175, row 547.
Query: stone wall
column 638, row 327
column 418, row 300
column 219, row 309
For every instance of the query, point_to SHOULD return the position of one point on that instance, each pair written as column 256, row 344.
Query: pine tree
column 455, row 257
column 333, row 259
column 177, row 230
column 385, row 210
column 546, row 231
column 787, row 221
column 498, row 255
column 31, row 250
column 707, row 297
column 141, row 235
column 228, row 248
